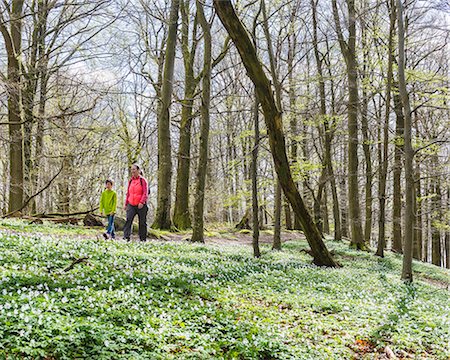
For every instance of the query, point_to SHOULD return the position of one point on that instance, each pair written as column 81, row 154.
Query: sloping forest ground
column 65, row 293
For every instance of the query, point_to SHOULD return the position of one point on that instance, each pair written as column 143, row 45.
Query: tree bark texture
column 162, row 216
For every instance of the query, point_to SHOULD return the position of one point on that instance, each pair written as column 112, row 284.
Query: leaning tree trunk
column 273, row 119
column 197, row 234
column 162, row 216
column 408, row 150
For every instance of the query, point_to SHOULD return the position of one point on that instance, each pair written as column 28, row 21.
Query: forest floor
column 66, row 293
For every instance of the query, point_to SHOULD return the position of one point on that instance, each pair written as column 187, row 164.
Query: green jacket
column 108, row 202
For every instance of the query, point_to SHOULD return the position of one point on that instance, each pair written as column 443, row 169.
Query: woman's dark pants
column 142, row 215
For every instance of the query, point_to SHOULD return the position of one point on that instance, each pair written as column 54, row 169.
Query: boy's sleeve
column 114, row 207
column 101, row 202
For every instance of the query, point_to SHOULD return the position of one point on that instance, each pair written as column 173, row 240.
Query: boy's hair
column 109, row 181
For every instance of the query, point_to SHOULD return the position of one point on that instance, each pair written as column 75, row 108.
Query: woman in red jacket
column 136, row 203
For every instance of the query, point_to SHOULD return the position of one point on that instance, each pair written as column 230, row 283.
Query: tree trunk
column 417, row 247
column 407, row 274
column 326, row 222
column 254, row 171
column 397, row 172
column 436, row 254
column 273, row 119
column 383, row 155
column 277, row 218
column 366, row 137
column 181, row 215
column 254, row 165
column 197, row 234
column 13, row 45
column 162, row 216
column 349, row 51
column 277, row 85
column 287, row 214
column 43, row 81
column 292, row 106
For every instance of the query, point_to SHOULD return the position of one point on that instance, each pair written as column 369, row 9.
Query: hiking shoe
column 105, row 235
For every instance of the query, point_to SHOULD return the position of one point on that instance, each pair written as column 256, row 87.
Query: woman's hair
column 109, row 181
column 139, row 168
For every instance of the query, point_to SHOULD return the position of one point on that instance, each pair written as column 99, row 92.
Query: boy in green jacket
column 108, row 205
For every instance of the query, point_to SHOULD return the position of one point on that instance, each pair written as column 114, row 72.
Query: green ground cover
column 176, row 300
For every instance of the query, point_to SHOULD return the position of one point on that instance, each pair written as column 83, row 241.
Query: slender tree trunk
column 384, row 153
column 273, row 70
column 366, row 138
column 338, row 232
column 427, row 210
column 39, row 135
column 436, row 253
column 447, row 248
column 292, row 105
column 254, row 170
column 273, row 119
column 326, row 222
column 447, row 235
column 162, row 216
column 407, row 274
column 397, row 171
column 344, row 196
column 417, row 246
column 287, row 214
column 197, row 234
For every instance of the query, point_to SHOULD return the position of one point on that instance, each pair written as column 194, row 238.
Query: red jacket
column 137, row 192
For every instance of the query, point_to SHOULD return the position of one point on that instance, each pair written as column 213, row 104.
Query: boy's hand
column 140, row 206
column 125, row 207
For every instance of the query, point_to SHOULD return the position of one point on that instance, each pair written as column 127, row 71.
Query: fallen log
column 44, row 215
column 92, row 220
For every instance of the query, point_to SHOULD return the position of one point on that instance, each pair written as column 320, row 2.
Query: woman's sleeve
column 144, row 197
column 126, row 196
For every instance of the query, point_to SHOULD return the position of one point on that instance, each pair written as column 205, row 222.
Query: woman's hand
column 140, row 206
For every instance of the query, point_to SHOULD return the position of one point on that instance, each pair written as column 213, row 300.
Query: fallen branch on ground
column 74, row 262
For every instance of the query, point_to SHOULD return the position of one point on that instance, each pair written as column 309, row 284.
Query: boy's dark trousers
column 142, row 215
